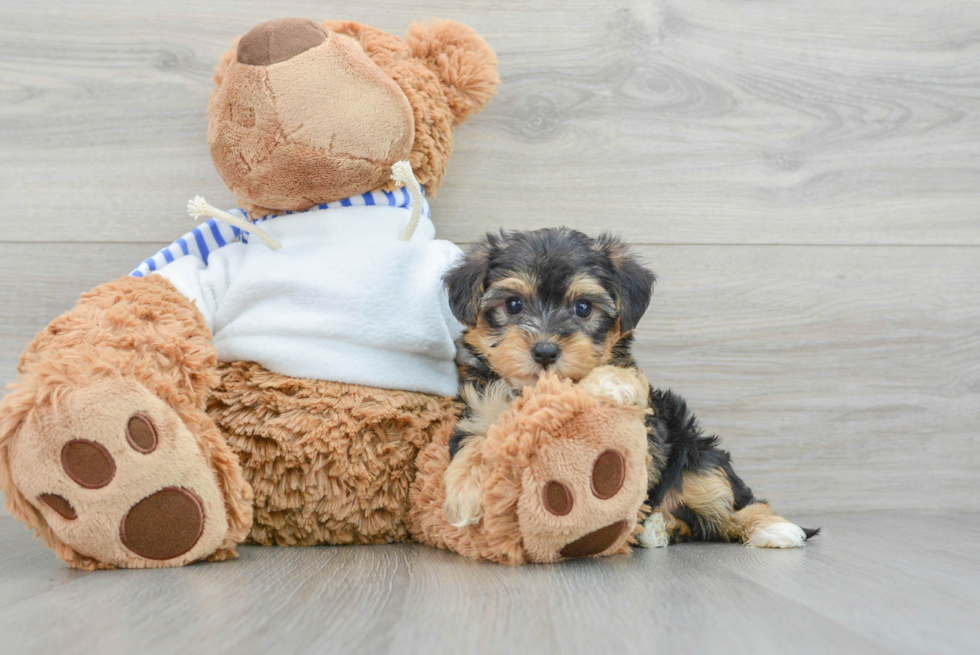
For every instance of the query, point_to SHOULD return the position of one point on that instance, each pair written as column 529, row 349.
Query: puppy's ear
column 632, row 282
column 466, row 281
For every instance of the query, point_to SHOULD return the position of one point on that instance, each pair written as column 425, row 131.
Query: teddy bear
column 284, row 373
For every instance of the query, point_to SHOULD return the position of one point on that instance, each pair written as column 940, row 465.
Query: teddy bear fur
column 444, row 69
column 328, row 462
column 272, row 459
column 104, row 340
column 295, row 461
column 554, row 431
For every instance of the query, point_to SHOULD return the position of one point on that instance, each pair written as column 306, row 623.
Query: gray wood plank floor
column 803, row 175
column 674, row 121
column 871, row 583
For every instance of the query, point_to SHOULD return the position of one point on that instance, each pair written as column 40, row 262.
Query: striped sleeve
column 208, row 237
column 199, row 242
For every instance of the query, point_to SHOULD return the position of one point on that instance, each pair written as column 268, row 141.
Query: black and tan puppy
column 556, row 299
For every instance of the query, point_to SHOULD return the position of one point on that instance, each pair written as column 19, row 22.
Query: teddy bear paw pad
column 596, row 541
column 163, row 525
column 87, row 463
column 583, row 491
column 119, row 478
column 59, row 504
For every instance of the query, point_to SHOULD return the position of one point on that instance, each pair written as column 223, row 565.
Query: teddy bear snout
column 279, row 40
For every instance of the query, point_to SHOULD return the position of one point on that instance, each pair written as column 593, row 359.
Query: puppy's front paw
column 777, row 535
column 655, row 533
column 625, row 386
column 465, row 482
column 464, row 504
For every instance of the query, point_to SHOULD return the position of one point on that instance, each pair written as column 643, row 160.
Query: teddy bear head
column 306, row 113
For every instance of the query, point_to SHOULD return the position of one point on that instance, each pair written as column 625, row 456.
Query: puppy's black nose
column 545, row 352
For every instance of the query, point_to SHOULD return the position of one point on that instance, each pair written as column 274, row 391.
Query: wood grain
column 873, row 583
column 673, row 121
column 840, row 378
column 803, row 175
column 836, row 349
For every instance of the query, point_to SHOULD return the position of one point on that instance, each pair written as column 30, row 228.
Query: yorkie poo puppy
column 558, row 300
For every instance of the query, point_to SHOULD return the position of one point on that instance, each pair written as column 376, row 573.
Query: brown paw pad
column 163, row 525
column 141, row 435
column 608, row 474
column 87, row 463
column 595, row 542
column 557, row 498
column 59, row 504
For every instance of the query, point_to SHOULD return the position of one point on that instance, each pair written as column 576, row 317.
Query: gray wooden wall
column 804, row 176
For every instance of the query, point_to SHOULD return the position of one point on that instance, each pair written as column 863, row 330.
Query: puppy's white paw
column 465, row 480
column 625, row 386
column 778, row 535
column 654, row 533
column 464, row 507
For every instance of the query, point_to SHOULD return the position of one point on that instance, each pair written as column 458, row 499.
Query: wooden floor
column 871, row 583
column 804, row 177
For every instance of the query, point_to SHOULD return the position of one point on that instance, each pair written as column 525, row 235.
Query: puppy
column 556, row 299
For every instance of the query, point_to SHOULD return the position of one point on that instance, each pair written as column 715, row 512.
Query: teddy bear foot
column 563, row 474
column 610, row 482
column 119, row 479
column 583, row 491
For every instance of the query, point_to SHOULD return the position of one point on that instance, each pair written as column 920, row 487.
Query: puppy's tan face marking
column 506, row 337
column 584, row 285
column 509, row 352
column 523, row 284
column 580, row 354
column 552, row 299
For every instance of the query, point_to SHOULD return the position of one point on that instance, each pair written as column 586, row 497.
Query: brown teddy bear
column 284, row 375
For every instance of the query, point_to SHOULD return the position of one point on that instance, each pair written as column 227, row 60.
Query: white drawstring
column 199, row 207
column 401, row 172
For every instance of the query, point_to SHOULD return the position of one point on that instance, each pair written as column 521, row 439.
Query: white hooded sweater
column 343, row 299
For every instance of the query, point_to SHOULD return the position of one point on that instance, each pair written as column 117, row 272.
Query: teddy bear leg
column 106, row 452
column 119, row 478
column 567, row 475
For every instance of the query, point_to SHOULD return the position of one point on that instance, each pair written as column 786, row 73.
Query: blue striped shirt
column 208, row 237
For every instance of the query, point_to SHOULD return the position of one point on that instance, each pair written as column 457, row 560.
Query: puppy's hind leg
column 661, row 528
column 719, row 507
column 758, row 525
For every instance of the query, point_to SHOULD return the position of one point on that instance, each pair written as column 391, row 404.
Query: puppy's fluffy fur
column 557, row 299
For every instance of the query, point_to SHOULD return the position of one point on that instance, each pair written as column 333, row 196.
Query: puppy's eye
column 514, row 306
column 583, row 309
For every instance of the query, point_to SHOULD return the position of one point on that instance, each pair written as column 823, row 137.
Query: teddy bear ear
column 461, row 59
